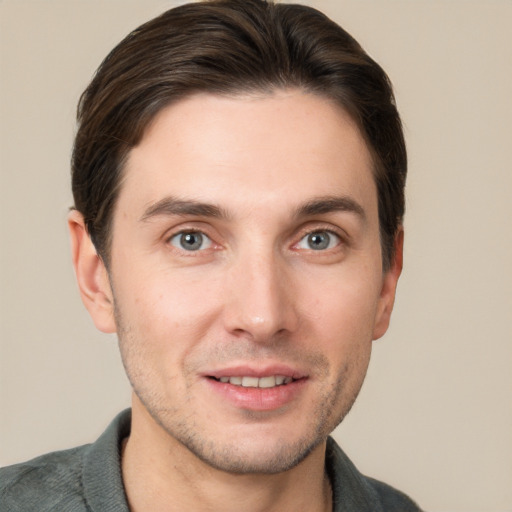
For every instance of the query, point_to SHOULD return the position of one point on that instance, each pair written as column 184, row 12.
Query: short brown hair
column 228, row 47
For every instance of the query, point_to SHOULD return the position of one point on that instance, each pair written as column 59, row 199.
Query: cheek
column 168, row 310
column 344, row 306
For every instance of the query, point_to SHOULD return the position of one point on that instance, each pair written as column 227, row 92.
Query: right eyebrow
column 328, row 204
column 173, row 206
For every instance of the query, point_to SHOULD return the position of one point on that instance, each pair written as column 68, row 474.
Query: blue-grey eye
column 319, row 241
column 191, row 241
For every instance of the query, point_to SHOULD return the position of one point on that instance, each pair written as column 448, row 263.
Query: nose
column 260, row 302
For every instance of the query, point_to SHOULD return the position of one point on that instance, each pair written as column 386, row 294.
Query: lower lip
column 258, row 399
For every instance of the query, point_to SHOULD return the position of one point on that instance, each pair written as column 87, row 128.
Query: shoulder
column 391, row 499
column 49, row 482
column 355, row 492
column 83, row 479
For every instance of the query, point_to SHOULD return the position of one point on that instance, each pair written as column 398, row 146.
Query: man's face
column 246, row 275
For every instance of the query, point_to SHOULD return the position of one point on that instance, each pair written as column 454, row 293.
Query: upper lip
column 251, row 370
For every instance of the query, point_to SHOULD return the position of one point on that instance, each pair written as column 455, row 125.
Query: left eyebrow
column 173, row 206
column 329, row 204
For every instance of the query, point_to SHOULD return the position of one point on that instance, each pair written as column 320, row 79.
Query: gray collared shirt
column 88, row 479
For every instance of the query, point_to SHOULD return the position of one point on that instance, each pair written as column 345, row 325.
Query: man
column 238, row 177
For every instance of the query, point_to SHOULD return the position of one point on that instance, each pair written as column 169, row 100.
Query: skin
column 258, row 296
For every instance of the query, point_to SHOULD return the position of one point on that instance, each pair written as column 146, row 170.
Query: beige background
column 435, row 414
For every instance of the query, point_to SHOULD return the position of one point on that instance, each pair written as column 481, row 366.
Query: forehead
column 250, row 152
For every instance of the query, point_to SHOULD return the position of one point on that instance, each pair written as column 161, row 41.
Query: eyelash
column 191, row 232
column 321, row 231
column 339, row 240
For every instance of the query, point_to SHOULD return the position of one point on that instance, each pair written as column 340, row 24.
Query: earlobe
column 388, row 291
column 91, row 275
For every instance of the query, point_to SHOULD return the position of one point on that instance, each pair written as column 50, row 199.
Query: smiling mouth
column 271, row 381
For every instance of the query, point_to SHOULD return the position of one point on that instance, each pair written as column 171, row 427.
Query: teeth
column 255, row 382
column 267, row 382
column 250, row 382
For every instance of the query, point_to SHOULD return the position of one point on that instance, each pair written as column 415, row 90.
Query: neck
column 162, row 475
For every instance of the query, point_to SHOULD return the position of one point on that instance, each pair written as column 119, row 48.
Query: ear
column 91, row 275
column 387, row 294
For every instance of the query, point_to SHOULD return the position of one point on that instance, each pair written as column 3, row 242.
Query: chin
column 250, row 457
